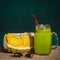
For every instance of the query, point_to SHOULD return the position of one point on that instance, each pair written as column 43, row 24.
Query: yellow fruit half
column 22, row 41
column 12, row 40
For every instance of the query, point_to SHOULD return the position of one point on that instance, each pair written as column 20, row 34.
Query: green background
column 16, row 16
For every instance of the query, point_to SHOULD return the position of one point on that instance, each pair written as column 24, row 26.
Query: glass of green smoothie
column 43, row 39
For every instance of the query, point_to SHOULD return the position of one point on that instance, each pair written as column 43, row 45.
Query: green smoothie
column 43, row 41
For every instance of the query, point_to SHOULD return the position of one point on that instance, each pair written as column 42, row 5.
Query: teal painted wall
column 16, row 15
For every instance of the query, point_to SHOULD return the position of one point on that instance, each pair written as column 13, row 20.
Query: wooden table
column 54, row 55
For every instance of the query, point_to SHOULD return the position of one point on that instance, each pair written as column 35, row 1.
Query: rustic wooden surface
column 54, row 55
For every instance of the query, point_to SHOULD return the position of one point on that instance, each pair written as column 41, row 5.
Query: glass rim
column 43, row 26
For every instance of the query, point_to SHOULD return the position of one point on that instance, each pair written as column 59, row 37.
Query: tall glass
column 43, row 39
